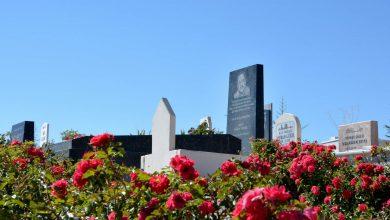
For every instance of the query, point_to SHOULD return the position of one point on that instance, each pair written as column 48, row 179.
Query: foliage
column 203, row 129
column 295, row 181
column 71, row 134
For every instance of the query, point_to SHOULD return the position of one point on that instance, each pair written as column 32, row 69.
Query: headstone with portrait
column 245, row 118
column 287, row 128
column 358, row 135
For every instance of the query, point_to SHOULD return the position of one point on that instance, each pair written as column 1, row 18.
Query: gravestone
column 163, row 128
column 287, row 129
column 208, row 122
column 245, row 118
column 44, row 139
column 268, row 122
column 358, row 135
column 23, row 131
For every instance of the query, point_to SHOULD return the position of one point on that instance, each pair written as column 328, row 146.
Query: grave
column 268, row 123
column 358, row 135
column 23, row 131
column 44, row 139
column 164, row 145
column 287, row 129
column 245, row 118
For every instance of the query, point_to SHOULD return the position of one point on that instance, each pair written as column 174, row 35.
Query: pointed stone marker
column 163, row 128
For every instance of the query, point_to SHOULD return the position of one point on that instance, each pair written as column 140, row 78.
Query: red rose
column 335, row 208
column 302, row 198
column 311, row 169
column 336, row 182
column 202, row 181
column 229, row 168
column 101, row 140
column 341, row 216
column 176, row 201
column 206, row 208
column 35, row 152
column 159, row 183
column 358, row 157
column 328, row 189
column 347, row 194
column 57, row 170
column 276, row 194
column 15, row 143
column 252, row 206
column 112, row 216
column 187, row 196
column 315, row 190
column 362, row 207
column 312, row 213
column 184, row 166
column 291, row 215
column 327, row 200
column 21, row 163
column 78, row 180
column 145, row 212
column 58, row 188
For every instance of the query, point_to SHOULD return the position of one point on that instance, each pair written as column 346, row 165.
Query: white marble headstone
column 287, row 128
column 358, row 135
column 163, row 128
column 44, row 139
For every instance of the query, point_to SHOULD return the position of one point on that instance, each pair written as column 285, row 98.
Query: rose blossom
column 57, row 170
column 252, row 205
column 362, row 207
column 229, row 168
column 176, row 201
column 159, row 183
column 101, row 140
column 206, row 208
column 145, row 212
column 21, row 163
column 316, row 190
column 58, row 188
column 276, row 193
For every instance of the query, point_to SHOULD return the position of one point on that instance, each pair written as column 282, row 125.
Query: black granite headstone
column 23, row 131
column 246, row 105
column 268, row 122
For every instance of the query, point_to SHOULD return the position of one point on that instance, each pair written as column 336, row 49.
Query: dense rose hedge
column 296, row 181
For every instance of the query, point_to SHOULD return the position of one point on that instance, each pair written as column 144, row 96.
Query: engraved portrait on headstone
column 243, row 89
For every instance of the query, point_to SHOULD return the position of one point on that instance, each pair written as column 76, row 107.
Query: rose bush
column 295, row 181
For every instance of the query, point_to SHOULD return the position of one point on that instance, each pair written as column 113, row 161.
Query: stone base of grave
column 205, row 162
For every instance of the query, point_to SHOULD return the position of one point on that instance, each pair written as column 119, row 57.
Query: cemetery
column 260, row 169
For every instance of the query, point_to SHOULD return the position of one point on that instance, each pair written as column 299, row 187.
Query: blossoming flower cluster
column 295, row 181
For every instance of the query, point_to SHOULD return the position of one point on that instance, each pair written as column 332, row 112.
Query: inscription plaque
column 358, row 135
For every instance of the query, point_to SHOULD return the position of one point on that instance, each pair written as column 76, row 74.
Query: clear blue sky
column 99, row 66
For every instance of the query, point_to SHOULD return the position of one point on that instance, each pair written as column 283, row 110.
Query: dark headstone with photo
column 246, row 105
column 23, row 131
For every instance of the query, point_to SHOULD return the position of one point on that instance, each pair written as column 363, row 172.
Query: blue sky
column 98, row 66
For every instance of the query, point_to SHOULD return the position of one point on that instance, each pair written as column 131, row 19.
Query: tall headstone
column 246, row 105
column 287, row 129
column 44, row 139
column 208, row 122
column 23, row 131
column 268, row 122
column 163, row 128
column 358, row 135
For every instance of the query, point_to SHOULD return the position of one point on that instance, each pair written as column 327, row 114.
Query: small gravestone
column 44, row 139
column 268, row 122
column 358, row 135
column 23, row 131
column 208, row 122
column 287, row 129
column 163, row 128
column 246, row 105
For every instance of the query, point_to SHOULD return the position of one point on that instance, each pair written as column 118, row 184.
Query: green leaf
column 88, row 174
